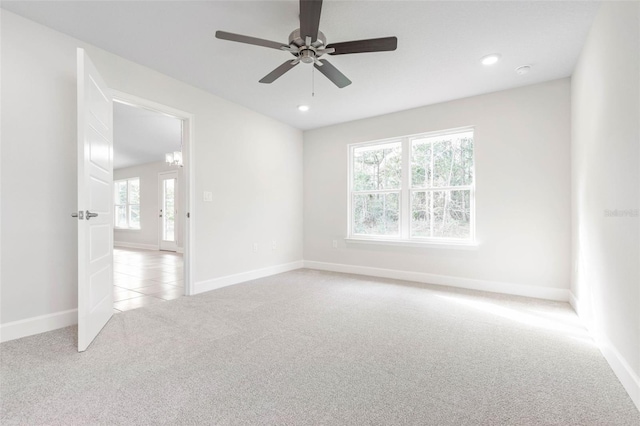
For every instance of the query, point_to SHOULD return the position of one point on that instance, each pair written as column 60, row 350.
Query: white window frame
column 127, row 205
column 405, row 238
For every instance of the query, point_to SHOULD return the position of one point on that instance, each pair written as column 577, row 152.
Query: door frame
column 188, row 173
column 177, row 194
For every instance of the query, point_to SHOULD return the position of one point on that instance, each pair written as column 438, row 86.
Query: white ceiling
column 142, row 136
column 440, row 44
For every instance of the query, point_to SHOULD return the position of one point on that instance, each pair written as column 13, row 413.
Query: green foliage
column 442, row 162
column 377, row 168
column 377, row 214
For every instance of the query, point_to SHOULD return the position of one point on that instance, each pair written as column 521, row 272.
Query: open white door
column 95, row 184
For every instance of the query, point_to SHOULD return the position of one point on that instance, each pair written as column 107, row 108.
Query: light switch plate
column 207, row 196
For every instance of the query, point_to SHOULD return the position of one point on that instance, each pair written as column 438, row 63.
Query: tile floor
column 145, row 277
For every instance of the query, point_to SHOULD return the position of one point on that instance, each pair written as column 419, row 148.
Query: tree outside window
column 417, row 188
column 127, row 203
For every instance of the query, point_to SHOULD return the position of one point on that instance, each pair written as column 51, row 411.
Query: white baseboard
column 573, row 301
column 623, row 371
column 629, row 379
column 136, row 245
column 548, row 293
column 212, row 284
column 30, row 326
column 41, row 324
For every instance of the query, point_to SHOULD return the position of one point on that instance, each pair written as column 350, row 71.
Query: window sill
column 127, row 229
column 449, row 245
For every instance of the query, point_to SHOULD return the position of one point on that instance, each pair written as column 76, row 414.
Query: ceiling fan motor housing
column 306, row 51
column 298, row 41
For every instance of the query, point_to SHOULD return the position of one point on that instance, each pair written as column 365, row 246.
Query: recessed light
column 303, row 108
column 523, row 69
column 490, row 59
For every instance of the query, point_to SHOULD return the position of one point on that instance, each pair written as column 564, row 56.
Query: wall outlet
column 335, row 243
column 274, row 245
column 207, row 196
column 255, row 247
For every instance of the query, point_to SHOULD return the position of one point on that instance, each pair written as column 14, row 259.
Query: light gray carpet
column 310, row 347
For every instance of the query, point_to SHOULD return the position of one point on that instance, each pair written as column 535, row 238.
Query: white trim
column 629, row 379
column 228, row 280
column 548, row 293
column 573, row 301
column 136, row 245
column 621, row 368
column 446, row 244
column 36, row 325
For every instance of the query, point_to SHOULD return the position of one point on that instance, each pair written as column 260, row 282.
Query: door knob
column 89, row 215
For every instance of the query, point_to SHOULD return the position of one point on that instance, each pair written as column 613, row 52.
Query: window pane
column 420, row 214
column 377, row 167
column 134, row 191
column 134, row 216
column 120, row 214
column 421, row 163
column 442, row 161
column 120, row 193
column 463, row 174
column 376, row 214
column 169, row 210
column 452, row 161
column 452, row 214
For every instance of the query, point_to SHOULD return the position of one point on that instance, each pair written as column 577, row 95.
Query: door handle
column 89, row 215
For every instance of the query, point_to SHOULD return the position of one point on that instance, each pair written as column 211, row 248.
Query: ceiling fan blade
column 223, row 35
column 332, row 73
column 384, row 44
column 278, row 72
column 310, row 18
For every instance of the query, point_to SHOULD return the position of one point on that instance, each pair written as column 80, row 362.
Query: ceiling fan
column 308, row 44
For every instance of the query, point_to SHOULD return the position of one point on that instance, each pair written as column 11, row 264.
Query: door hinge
column 188, row 215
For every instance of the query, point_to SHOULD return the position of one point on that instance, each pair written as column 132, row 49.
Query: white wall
column 522, row 146
column 251, row 163
column 148, row 236
column 606, row 176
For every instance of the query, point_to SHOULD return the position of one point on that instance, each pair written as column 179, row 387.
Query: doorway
column 151, row 255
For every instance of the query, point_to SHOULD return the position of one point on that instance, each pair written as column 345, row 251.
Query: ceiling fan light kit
column 308, row 44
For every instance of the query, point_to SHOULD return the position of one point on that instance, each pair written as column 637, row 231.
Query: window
column 416, row 188
column 127, row 203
